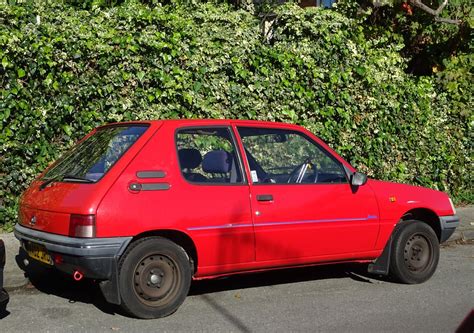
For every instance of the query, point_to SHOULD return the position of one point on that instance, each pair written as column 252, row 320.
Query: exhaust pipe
column 77, row 276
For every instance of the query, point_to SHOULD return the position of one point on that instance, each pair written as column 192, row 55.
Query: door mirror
column 358, row 179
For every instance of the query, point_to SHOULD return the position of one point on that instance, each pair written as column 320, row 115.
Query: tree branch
column 447, row 20
column 435, row 12
column 427, row 9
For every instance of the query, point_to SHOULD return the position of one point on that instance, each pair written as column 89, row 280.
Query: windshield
column 91, row 159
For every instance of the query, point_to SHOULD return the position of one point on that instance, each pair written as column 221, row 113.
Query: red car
column 146, row 207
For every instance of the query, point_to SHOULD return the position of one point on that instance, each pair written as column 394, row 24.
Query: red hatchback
column 145, row 207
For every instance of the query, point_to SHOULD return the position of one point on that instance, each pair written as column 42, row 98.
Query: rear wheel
column 415, row 252
column 154, row 277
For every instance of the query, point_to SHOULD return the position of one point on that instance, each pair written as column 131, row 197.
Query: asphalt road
column 337, row 298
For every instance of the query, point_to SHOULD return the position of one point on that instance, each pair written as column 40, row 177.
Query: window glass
column 208, row 155
column 91, row 159
column 283, row 156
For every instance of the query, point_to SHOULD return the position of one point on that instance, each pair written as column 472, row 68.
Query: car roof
column 207, row 122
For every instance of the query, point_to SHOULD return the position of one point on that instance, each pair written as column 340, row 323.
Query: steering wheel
column 297, row 174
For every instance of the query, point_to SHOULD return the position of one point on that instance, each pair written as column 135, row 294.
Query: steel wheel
column 418, row 253
column 156, row 279
column 415, row 252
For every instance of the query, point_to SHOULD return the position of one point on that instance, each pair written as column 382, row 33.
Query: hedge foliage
column 66, row 70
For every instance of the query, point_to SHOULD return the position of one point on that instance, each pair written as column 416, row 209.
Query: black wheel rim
column 156, row 279
column 418, row 253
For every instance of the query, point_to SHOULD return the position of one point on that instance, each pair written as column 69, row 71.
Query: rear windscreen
column 91, row 159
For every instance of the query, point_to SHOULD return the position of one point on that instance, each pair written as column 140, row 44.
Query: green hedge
column 66, row 70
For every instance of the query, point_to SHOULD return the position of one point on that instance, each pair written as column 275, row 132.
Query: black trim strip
column 151, row 174
column 94, row 247
column 155, row 187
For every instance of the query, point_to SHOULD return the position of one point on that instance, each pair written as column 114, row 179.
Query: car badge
column 33, row 220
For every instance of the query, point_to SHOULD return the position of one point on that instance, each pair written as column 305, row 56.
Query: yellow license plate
column 38, row 252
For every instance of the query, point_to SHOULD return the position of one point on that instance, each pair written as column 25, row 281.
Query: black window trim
column 325, row 152
column 244, row 181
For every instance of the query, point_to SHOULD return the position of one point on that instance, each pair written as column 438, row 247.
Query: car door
column 302, row 204
column 215, row 196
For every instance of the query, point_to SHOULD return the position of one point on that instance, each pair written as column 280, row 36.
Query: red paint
column 233, row 232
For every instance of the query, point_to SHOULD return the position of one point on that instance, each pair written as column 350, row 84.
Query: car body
column 144, row 207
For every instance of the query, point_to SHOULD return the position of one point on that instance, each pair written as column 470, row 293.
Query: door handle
column 264, row 197
column 137, row 187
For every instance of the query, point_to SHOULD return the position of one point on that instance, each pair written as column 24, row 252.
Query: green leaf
column 67, row 129
column 21, row 73
column 48, row 80
column 5, row 62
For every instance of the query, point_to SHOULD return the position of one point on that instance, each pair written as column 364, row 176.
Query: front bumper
column 93, row 257
column 448, row 226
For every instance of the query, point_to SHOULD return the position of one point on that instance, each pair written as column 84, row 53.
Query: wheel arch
column 425, row 215
column 180, row 238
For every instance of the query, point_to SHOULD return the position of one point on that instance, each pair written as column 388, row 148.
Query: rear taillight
column 82, row 226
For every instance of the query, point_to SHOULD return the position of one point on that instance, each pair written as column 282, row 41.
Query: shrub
column 66, row 70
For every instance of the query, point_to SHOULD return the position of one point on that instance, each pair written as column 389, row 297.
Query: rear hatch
column 75, row 184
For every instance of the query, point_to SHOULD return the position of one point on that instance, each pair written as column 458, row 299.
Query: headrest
column 189, row 158
column 217, row 161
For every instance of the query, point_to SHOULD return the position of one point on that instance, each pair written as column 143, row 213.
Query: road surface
column 338, row 298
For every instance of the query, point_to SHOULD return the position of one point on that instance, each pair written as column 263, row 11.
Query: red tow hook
column 77, row 276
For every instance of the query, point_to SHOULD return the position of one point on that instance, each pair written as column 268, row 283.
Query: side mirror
column 358, row 179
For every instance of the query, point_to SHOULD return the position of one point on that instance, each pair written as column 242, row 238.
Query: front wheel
column 154, row 278
column 415, row 252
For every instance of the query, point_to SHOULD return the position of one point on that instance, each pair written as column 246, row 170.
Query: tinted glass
column 283, row 156
column 207, row 155
column 92, row 158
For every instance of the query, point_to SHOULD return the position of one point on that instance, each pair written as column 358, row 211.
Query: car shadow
column 204, row 288
column 53, row 282
column 356, row 272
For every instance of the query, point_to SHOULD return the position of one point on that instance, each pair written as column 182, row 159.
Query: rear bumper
column 448, row 225
column 93, row 257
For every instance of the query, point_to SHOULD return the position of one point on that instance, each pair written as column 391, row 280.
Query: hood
column 396, row 199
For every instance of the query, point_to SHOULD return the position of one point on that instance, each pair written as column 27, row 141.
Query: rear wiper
column 49, row 181
column 66, row 178
column 76, row 179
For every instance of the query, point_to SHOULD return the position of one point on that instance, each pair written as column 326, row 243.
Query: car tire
column 154, row 278
column 415, row 252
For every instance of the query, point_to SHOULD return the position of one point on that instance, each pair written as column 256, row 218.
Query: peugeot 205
column 143, row 208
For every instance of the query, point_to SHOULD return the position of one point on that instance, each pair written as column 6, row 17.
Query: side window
column 208, row 155
column 288, row 157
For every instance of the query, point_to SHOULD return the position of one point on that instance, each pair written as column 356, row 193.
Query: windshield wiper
column 66, row 178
